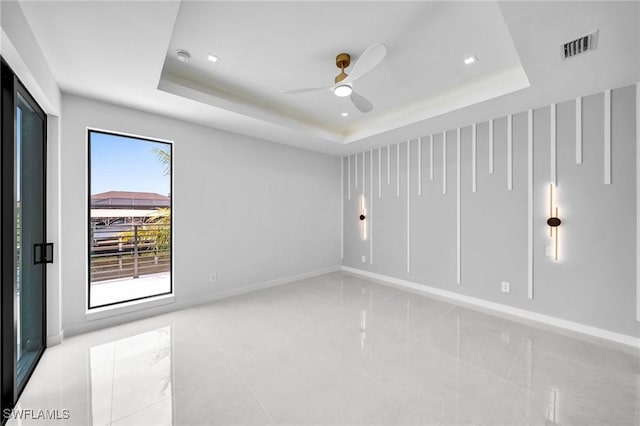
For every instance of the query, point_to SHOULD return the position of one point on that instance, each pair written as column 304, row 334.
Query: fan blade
column 368, row 61
column 361, row 103
column 307, row 90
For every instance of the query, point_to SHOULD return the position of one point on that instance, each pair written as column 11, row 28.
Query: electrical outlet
column 213, row 277
column 506, row 287
column 364, row 259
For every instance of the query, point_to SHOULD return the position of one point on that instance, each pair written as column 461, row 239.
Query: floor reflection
column 333, row 350
column 131, row 380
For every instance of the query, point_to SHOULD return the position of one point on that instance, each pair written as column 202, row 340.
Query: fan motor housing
column 343, row 60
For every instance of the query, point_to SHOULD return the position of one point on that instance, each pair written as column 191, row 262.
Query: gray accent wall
column 594, row 280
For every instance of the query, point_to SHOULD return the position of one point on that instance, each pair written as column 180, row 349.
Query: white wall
column 250, row 210
column 594, row 281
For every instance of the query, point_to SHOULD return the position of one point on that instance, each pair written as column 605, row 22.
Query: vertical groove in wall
column 490, row 146
column 552, row 145
column 444, row 162
column 530, row 205
column 458, row 223
column 510, row 152
column 371, row 208
column 431, row 157
column 638, row 204
column 579, row 130
column 363, row 170
column 342, row 208
column 349, row 177
column 458, row 358
column 398, row 170
column 408, row 206
column 419, row 166
column 388, row 164
column 355, row 163
column 607, row 137
column 474, row 184
column 379, row 172
column 529, row 369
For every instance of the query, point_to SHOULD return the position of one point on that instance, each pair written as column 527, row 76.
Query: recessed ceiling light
column 345, row 114
column 213, row 58
column 470, row 60
column 343, row 90
column 183, row 55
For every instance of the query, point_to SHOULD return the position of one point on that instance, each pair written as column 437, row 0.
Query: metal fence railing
column 121, row 251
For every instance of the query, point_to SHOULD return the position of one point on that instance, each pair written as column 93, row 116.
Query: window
column 130, row 224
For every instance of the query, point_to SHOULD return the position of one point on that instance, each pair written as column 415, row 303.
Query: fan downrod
column 343, row 60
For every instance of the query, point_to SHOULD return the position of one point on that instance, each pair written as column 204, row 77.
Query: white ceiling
column 268, row 47
column 124, row 52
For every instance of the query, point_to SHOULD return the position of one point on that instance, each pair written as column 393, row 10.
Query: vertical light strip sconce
column 363, row 219
column 553, row 222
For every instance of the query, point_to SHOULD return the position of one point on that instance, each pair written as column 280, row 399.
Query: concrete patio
column 124, row 289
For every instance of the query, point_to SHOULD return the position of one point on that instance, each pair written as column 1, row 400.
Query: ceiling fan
column 344, row 82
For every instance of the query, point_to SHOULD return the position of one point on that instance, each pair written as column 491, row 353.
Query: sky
column 120, row 163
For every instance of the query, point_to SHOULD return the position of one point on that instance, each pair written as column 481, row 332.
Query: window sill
column 128, row 307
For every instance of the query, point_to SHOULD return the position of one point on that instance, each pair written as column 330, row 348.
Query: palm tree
column 161, row 219
column 164, row 158
column 159, row 229
column 156, row 230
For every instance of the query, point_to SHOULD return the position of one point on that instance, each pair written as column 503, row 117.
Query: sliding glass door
column 30, row 233
column 24, row 252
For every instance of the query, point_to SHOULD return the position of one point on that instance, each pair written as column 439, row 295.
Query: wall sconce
column 363, row 219
column 553, row 222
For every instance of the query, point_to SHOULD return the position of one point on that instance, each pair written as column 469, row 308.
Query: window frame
column 135, row 301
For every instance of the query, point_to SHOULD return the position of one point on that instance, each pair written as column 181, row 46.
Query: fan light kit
column 183, row 55
column 343, row 90
column 343, row 82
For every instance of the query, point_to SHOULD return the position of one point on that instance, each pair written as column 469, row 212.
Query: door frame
column 10, row 390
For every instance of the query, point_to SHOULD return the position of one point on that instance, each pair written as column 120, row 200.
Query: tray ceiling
column 268, row 47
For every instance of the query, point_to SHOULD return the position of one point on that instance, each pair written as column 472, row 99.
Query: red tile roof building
column 129, row 200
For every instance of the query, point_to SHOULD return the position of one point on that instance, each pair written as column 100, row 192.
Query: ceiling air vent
column 578, row 46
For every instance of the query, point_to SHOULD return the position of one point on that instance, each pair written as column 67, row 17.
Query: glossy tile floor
column 333, row 350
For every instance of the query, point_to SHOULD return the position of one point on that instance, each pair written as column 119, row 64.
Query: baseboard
column 55, row 339
column 498, row 307
column 254, row 287
column 97, row 324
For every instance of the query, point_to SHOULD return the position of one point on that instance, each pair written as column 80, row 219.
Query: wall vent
column 578, row 46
